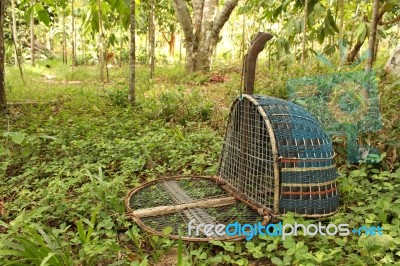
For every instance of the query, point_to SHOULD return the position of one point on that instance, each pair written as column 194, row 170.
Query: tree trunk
column 101, row 43
column 303, row 51
column 351, row 57
column 171, row 44
column 132, row 57
column 83, row 47
column 14, row 32
column 376, row 49
column 15, row 38
column 73, row 41
column 341, row 18
column 372, row 35
column 32, row 36
column 106, row 61
column 64, row 37
column 202, row 35
column 49, row 40
column 152, row 38
column 121, row 39
column 341, row 25
column 180, row 47
column 243, row 46
column 3, row 101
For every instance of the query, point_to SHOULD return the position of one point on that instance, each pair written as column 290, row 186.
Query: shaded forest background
column 103, row 95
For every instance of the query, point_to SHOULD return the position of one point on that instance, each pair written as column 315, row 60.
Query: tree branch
column 223, row 16
column 165, row 37
column 392, row 21
column 198, row 6
column 372, row 35
column 182, row 12
column 383, row 11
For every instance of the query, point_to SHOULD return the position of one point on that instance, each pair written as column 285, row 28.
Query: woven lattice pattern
column 184, row 190
column 303, row 172
column 246, row 161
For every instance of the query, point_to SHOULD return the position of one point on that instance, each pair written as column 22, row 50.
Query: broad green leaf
column 290, row 27
column 4, row 151
column 319, row 9
column 362, row 32
column 298, row 25
column 44, row 17
column 321, row 35
column 332, row 21
column 37, row 7
column 327, row 27
column 289, row 243
column 277, row 261
column 277, row 12
column 17, row 137
column 167, row 230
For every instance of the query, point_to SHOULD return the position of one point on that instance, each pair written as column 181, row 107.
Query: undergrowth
column 68, row 162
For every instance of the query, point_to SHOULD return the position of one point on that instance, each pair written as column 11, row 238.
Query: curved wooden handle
column 257, row 45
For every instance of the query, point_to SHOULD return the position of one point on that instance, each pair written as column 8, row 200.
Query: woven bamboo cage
column 276, row 154
column 275, row 159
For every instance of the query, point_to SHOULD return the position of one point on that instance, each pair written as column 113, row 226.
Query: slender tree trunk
column 350, row 58
column 243, row 46
column 106, row 61
column 14, row 32
column 146, row 45
column 32, row 36
column 15, row 41
column 132, row 57
column 83, row 47
column 73, row 41
column 121, row 39
column 3, row 100
column 303, row 52
column 352, row 34
column 64, row 37
column 18, row 59
column 49, row 39
column 376, row 49
column 372, row 35
column 152, row 38
column 101, row 45
column 171, row 44
column 341, row 24
column 180, row 47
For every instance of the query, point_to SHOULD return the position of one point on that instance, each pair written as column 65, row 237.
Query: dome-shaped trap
column 278, row 156
column 275, row 158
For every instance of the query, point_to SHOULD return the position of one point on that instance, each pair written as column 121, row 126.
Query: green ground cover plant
column 68, row 159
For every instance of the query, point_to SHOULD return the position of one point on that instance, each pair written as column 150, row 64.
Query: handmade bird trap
column 276, row 158
column 345, row 103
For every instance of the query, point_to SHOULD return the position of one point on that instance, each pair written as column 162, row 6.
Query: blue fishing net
column 345, row 103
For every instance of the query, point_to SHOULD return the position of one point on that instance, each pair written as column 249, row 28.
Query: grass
column 66, row 166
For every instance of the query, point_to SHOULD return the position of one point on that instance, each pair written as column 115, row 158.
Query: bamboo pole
column 163, row 210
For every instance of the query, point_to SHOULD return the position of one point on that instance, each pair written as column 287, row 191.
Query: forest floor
column 71, row 148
